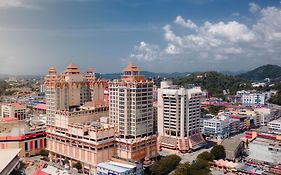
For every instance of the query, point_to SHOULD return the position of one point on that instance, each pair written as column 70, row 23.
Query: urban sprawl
column 76, row 123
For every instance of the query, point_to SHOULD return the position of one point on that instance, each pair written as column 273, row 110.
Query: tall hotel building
column 70, row 90
column 75, row 104
column 131, row 110
column 179, row 117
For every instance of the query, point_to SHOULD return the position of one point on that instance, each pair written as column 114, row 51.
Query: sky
column 156, row 35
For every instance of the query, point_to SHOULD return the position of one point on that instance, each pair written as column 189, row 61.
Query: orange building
column 79, row 137
column 131, row 110
column 70, row 89
column 29, row 137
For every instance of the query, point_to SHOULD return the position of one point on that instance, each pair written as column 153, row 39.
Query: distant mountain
column 147, row 74
column 232, row 73
column 267, row 71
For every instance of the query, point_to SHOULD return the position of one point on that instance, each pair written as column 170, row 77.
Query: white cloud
column 11, row 3
column 228, row 42
column 254, row 7
column 269, row 24
column 34, row 4
column 172, row 49
column 18, row 3
column 145, row 52
column 170, row 36
column 232, row 31
column 185, row 23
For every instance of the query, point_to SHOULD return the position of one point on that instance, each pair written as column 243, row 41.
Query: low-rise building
column 15, row 110
column 266, row 115
column 39, row 108
column 217, row 127
column 266, row 150
column 275, row 125
column 119, row 167
column 9, row 161
column 264, row 146
column 234, row 147
column 30, row 137
column 249, row 99
column 238, row 123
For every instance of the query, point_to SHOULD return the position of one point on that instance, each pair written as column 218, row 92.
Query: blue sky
column 157, row 35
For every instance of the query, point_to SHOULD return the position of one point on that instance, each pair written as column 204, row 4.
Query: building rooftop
column 264, row 141
column 94, row 104
column 40, row 106
column 72, row 69
column 276, row 121
column 18, row 128
column 231, row 145
column 8, row 119
column 52, row 70
column 131, row 68
column 13, row 104
column 116, row 166
column 7, row 155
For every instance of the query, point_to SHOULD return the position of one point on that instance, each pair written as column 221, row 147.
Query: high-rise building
column 131, row 110
column 70, row 90
column 179, row 117
column 75, row 103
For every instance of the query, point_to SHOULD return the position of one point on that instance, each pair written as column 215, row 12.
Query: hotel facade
column 70, row 90
column 75, row 103
column 131, row 110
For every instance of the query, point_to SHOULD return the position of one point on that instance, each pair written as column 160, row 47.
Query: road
column 185, row 157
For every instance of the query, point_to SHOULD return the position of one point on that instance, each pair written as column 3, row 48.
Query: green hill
column 215, row 82
column 267, row 71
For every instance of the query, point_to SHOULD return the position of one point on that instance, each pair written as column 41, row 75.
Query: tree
column 183, row 169
column 199, row 166
column 218, row 152
column 78, row 166
column 215, row 109
column 215, row 82
column 165, row 166
column 44, row 152
column 206, row 156
column 66, row 161
column 276, row 99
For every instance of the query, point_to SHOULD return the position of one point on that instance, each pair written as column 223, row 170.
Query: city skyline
column 160, row 36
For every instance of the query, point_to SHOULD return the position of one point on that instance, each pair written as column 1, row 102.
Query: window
column 36, row 144
column 26, row 146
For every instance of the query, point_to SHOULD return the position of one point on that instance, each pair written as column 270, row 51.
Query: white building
column 254, row 98
column 275, row 125
column 15, row 110
column 217, row 127
column 119, row 167
column 258, row 84
column 179, row 117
